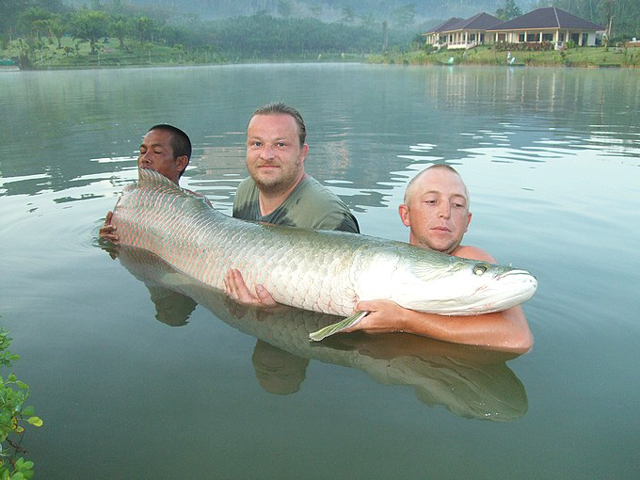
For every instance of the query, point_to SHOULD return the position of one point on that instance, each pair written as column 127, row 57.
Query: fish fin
column 337, row 327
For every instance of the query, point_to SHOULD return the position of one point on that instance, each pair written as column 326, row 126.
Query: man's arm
column 507, row 330
column 108, row 231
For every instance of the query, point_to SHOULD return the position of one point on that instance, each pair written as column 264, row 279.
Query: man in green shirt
column 279, row 191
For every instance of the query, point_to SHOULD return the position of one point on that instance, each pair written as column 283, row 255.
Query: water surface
column 137, row 381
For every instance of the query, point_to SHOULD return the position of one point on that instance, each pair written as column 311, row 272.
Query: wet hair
column 408, row 193
column 180, row 143
column 279, row 108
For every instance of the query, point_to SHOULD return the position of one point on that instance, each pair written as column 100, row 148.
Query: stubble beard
column 275, row 186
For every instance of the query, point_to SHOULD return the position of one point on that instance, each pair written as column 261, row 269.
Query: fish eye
column 480, row 268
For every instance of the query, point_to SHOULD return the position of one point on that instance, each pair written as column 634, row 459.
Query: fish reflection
column 469, row 381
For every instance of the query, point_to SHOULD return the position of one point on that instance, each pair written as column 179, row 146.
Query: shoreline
column 579, row 57
column 280, row 62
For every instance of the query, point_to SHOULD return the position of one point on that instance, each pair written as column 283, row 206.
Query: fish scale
column 323, row 271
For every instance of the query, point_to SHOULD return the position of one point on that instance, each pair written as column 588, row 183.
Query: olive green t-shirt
column 310, row 205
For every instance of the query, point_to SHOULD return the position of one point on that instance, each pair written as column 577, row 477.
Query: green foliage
column 243, row 38
column 488, row 55
column 266, row 37
column 624, row 14
column 405, row 15
column 89, row 26
column 13, row 394
column 348, row 14
column 524, row 46
column 146, row 36
column 285, row 8
column 509, row 11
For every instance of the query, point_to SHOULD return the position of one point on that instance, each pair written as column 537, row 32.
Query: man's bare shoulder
column 473, row 253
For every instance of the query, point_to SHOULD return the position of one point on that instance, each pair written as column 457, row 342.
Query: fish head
column 450, row 285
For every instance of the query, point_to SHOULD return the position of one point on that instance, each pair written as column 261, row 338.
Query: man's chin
column 442, row 247
column 267, row 185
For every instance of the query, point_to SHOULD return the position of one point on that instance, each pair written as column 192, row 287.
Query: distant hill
column 350, row 11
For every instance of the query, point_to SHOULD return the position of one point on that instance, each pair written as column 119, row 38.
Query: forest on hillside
column 265, row 29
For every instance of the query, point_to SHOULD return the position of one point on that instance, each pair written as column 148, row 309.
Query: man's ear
column 304, row 150
column 468, row 221
column 403, row 211
column 182, row 162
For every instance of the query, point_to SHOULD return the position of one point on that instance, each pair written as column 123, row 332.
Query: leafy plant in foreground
column 13, row 394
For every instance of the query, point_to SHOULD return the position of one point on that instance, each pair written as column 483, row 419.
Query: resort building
column 437, row 36
column 469, row 33
column 549, row 24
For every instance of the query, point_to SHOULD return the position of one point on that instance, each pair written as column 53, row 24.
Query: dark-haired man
column 165, row 149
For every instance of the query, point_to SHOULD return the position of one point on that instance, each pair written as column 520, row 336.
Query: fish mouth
column 520, row 286
column 516, row 272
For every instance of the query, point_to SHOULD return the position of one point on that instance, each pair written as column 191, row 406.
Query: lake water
column 135, row 381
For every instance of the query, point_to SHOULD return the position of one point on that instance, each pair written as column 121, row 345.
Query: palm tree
column 89, row 26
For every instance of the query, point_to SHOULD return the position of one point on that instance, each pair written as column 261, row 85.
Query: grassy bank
column 74, row 54
column 487, row 55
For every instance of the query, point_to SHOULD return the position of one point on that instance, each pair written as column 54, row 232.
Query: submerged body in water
column 470, row 382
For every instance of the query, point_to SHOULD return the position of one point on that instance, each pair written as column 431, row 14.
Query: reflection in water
column 470, row 382
column 172, row 308
column 277, row 370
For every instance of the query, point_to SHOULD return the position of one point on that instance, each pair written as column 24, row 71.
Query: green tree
column 57, row 28
column 89, row 26
column 285, row 8
column 405, row 15
column 316, row 11
column 509, row 11
column 385, row 36
column 348, row 14
column 368, row 20
column 144, row 27
column 119, row 28
column 9, row 14
column 607, row 8
column 620, row 17
column 34, row 21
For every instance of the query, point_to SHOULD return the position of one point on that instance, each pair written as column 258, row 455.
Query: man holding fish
column 279, row 191
column 435, row 209
column 165, row 149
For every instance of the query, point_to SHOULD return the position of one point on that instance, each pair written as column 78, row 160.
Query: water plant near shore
column 13, row 413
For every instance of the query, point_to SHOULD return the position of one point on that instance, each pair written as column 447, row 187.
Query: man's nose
column 267, row 151
column 444, row 210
